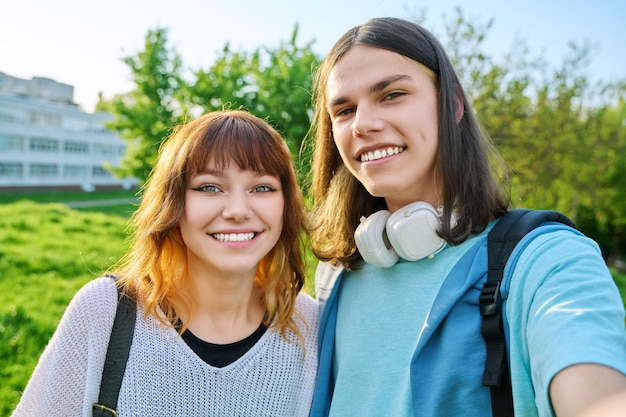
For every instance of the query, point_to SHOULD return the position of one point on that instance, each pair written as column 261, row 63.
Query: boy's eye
column 344, row 112
column 393, row 95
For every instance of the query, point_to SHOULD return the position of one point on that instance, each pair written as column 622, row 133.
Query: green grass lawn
column 63, row 197
column 47, row 252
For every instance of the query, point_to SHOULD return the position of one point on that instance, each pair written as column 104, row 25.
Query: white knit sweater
column 164, row 377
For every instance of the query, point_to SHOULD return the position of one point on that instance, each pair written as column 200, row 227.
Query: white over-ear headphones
column 410, row 233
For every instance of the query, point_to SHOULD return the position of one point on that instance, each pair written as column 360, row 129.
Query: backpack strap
column 117, row 355
column 501, row 241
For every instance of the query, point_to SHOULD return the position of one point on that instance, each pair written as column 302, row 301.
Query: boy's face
column 383, row 109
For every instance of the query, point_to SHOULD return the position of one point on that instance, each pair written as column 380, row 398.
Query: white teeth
column 382, row 153
column 234, row 237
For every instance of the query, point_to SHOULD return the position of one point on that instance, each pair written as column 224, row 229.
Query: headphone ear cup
column 412, row 231
column 371, row 240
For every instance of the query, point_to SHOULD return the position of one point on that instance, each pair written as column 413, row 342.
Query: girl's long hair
column 467, row 162
column 154, row 269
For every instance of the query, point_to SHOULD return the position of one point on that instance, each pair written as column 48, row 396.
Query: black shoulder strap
column 117, row 355
column 501, row 241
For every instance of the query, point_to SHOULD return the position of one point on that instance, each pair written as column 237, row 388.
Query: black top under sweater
column 222, row 355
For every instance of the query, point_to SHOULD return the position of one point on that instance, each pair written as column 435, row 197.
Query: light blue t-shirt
column 384, row 310
column 563, row 308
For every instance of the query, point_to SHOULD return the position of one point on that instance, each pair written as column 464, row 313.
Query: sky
column 82, row 43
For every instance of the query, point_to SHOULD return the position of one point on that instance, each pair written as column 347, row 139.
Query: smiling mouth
column 234, row 237
column 382, row 153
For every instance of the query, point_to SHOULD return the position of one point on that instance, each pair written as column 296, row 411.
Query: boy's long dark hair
column 466, row 161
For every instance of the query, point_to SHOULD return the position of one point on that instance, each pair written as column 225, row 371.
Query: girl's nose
column 237, row 208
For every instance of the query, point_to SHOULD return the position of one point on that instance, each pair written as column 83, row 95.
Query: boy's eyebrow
column 381, row 85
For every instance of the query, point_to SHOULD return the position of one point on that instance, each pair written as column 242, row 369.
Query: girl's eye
column 263, row 188
column 207, row 188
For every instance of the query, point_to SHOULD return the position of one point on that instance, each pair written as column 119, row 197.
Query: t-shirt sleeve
column 569, row 310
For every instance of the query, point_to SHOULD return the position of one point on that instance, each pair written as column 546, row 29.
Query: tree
column 561, row 135
column 274, row 84
column 603, row 213
column 144, row 117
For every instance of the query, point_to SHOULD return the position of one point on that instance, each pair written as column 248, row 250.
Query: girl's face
column 383, row 109
column 231, row 220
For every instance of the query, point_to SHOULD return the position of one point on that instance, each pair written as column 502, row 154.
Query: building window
column 76, row 147
column 76, row 124
column 43, row 170
column 12, row 116
column 74, row 171
column 100, row 172
column 11, row 142
column 45, row 119
column 44, row 145
column 104, row 150
column 11, row 170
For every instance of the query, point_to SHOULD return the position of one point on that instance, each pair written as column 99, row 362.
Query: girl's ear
column 460, row 107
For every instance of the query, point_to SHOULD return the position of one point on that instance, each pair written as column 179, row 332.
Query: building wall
column 48, row 141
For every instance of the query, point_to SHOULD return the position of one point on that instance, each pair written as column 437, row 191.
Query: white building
column 47, row 141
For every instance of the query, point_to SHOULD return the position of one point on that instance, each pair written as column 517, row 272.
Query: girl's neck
column 225, row 311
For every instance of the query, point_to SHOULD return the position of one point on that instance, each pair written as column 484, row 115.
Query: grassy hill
column 47, row 252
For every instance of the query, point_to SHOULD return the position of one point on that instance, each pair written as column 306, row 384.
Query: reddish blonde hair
column 154, row 269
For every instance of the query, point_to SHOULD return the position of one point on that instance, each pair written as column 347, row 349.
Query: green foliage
column 562, row 136
column 274, row 84
column 605, row 207
column 620, row 280
column 47, row 252
column 146, row 115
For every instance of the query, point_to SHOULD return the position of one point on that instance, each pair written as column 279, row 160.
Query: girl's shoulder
column 97, row 298
column 307, row 306
column 306, row 301
column 102, row 288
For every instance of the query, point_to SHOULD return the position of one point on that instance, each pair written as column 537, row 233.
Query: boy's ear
column 460, row 108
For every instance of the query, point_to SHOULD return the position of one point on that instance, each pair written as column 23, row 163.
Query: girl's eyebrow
column 218, row 173
column 379, row 86
column 207, row 171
